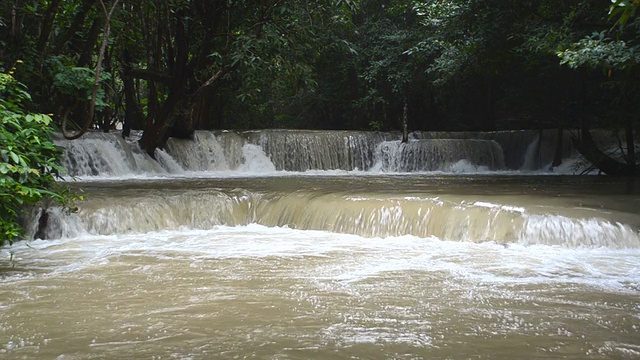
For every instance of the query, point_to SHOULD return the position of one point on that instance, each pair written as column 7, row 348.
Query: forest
column 170, row 67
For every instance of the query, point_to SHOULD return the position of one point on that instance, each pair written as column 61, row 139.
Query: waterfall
column 260, row 151
column 168, row 162
column 437, row 154
column 541, row 150
column 100, row 154
column 453, row 218
column 296, row 150
column 520, row 147
column 255, row 161
column 202, row 153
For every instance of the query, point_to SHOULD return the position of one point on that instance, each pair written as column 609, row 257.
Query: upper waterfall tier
column 268, row 151
column 100, row 154
column 438, row 154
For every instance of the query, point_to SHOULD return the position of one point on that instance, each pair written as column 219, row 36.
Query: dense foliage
column 27, row 158
column 171, row 66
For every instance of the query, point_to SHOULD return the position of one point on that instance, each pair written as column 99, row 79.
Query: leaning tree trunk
column 92, row 39
column 631, row 146
column 557, row 157
column 47, row 26
column 157, row 128
column 589, row 149
column 71, row 35
column 156, row 133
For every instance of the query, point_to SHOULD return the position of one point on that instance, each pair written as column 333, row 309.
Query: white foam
column 466, row 167
column 168, row 162
column 255, row 160
column 354, row 258
column 561, row 230
column 489, row 205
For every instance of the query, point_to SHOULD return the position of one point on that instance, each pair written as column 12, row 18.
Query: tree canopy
column 168, row 67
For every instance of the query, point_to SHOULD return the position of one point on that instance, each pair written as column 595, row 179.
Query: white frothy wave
column 359, row 258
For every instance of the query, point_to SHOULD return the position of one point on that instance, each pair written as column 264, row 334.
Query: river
column 261, row 260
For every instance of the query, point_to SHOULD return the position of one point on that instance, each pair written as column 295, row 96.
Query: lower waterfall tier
column 365, row 209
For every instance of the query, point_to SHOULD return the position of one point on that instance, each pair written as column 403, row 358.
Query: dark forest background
column 169, row 67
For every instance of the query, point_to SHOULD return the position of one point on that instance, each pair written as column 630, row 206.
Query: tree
column 96, row 83
column 245, row 50
column 618, row 59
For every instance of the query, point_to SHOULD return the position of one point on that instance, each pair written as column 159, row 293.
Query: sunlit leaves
column 598, row 51
column 438, row 11
column 623, row 11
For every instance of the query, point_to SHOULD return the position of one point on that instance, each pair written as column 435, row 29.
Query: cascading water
column 319, row 150
column 299, row 151
column 286, row 244
column 254, row 161
column 203, row 153
column 437, row 154
column 99, row 154
column 451, row 218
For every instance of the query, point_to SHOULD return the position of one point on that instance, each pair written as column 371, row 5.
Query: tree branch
column 214, row 79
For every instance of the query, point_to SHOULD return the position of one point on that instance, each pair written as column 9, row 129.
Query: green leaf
column 28, row 159
column 14, row 157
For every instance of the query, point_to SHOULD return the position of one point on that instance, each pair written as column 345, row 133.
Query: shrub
column 28, row 168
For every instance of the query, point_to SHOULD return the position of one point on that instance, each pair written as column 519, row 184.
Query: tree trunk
column 133, row 117
column 15, row 27
column 15, row 35
column 177, row 107
column 75, row 27
column 589, row 149
column 105, row 125
column 156, row 133
column 631, row 146
column 557, row 157
column 105, row 39
column 90, row 44
column 130, row 104
column 47, row 25
column 405, row 122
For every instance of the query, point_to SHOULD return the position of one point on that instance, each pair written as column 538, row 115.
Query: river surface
column 331, row 267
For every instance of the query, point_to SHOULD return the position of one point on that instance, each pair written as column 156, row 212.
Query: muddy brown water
column 331, row 267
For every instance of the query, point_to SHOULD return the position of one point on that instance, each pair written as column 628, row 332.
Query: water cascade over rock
column 327, row 244
column 294, row 150
column 261, row 151
column 451, row 217
column 438, row 154
column 100, row 154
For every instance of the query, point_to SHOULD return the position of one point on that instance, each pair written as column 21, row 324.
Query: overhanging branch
column 214, row 79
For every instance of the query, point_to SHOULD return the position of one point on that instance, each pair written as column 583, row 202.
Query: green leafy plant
column 376, row 125
column 78, row 82
column 623, row 11
column 28, row 168
column 597, row 51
